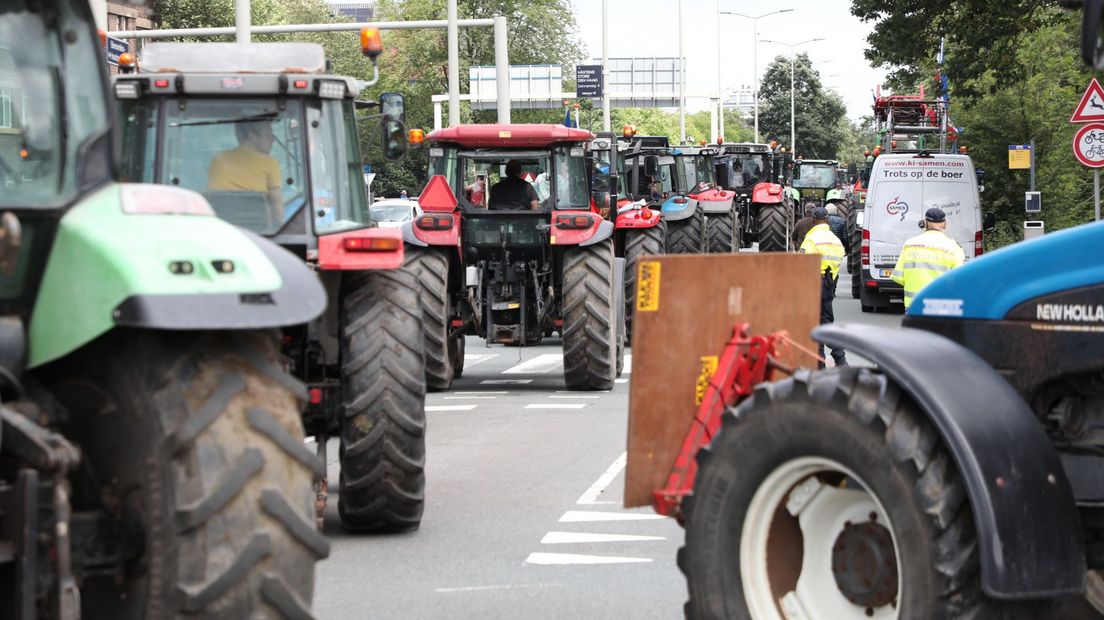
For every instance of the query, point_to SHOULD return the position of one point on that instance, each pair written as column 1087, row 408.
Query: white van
column 902, row 187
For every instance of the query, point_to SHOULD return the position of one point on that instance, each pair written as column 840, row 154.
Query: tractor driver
column 514, row 192
column 249, row 167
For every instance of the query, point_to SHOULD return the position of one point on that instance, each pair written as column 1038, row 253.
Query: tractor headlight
column 331, row 89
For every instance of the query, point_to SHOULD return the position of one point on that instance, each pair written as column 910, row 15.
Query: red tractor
column 639, row 228
column 720, row 227
column 511, row 248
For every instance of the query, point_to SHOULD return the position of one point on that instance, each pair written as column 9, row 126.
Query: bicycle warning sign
column 1088, row 145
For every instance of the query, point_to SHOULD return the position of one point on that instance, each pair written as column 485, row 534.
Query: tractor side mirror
column 394, row 140
column 651, row 165
column 393, row 107
column 989, row 222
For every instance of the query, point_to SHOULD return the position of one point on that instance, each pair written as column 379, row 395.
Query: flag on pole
column 568, row 121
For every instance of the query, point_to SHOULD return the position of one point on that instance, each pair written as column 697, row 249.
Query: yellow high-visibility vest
column 924, row 258
column 821, row 240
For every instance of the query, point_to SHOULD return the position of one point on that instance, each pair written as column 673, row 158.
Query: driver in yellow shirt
column 249, row 167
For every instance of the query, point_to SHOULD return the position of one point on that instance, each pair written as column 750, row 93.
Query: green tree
column 981, row 37
column 818, row 113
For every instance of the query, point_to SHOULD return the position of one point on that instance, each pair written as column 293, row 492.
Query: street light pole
column 754, row 55
column 720, row 80
column 793, row 123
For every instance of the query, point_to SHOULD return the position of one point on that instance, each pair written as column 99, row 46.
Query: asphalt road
column 523, row 516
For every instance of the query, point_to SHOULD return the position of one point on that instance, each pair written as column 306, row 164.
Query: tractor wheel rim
column 806, row 546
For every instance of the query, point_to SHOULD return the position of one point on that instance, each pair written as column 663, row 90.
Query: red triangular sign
column 1091, row 107
column 437, row 195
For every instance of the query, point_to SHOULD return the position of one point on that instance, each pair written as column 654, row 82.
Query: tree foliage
column 819, row 114
column 982, row 36
column 1015, row 76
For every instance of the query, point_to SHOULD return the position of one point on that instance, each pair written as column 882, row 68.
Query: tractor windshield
column 745, row 170
column 250, row 158
column 815, row 176
column 558, row 177
column 53, row 107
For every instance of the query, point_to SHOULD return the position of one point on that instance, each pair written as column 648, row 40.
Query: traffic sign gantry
column 1091, row 107
column 1088, row 145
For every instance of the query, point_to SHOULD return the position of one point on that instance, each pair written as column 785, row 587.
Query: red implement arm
column 746, row 362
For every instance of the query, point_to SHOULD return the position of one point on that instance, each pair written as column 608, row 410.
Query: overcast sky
column 650, row 28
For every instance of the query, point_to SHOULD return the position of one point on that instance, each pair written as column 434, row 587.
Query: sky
column 644, row 28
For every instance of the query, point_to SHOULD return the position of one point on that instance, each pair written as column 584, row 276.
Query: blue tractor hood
column 989, row 287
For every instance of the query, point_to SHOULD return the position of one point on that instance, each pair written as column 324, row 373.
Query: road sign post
column 1088, row 148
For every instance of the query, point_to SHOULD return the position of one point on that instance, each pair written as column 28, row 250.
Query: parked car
column 392, row 212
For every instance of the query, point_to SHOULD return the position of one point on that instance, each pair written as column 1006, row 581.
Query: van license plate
column 886, row 273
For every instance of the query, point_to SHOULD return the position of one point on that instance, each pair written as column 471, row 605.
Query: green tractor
column 152, row 461
column 814, row 179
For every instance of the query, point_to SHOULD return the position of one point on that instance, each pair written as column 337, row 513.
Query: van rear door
column 950, row 184
column 893, row 209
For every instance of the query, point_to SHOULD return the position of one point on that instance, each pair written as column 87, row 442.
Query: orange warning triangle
column 1091, row 107
column 437, row 195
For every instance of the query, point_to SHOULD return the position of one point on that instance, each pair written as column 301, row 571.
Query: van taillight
column 979, row 238
column 865, row 251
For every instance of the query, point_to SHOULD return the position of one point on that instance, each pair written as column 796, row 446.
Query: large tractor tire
column 589, row 330
column 855, row 472
column 383, row 384
column 772, row 228
column 854, row 255
column 430, row 267
column 638, row 243
column 685, row 236
column 195, row 443
column 721, row 232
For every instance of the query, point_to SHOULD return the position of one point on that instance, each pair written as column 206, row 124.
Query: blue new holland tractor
column 962, row 476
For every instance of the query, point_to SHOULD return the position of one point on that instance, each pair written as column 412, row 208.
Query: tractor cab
column 814, row 178
column 264, row 133
column 741, row 167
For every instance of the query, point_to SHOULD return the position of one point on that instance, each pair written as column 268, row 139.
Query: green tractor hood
column 156, row 257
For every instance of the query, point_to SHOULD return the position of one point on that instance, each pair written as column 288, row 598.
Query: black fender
column 1029, row 533
column 605, row 231
column 300, row 298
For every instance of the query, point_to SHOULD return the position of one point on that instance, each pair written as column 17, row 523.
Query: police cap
column 936, row 215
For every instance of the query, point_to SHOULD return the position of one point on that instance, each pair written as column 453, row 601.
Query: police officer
column 927, row 256
column 820, row 240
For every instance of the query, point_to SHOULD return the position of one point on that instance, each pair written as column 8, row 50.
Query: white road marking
column 505, row 586
column 505, row 381
column 575, row 396
column 628, row 364
column 588, row 516
column 603, row 482
column 556, row 406
column 576, row 392
column 450, row 407
column 567, row 538
column 470, row 397
column 559, row 559
column 546, row 362
column 471, row 359
column 621, row 380
column 478, row 393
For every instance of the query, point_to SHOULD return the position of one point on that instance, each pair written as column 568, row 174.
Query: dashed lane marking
column 471, row 359
column 568, row 538
column 587, row 516
column 470, row 397
column 505, row 381
column 621, row 380
column 449, row 407
column 505, row 586
column 627, row 369
column 539, row 364
column 556, row 406
column 575, row 396
column 559, row 559
column 591, row 495
column 478, row 393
